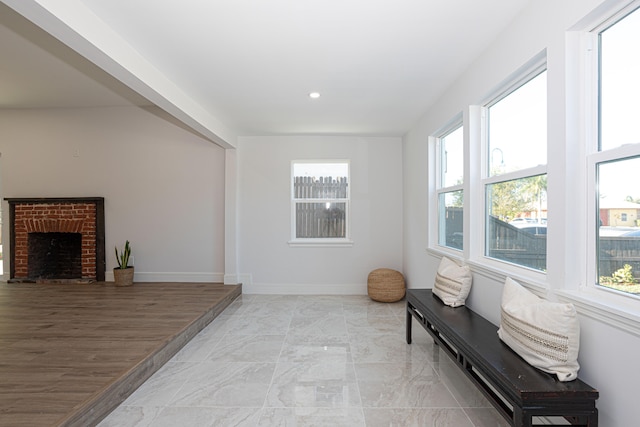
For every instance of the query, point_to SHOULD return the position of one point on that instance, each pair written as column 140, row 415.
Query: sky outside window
column 452, row 158
column 518, row 128
column 620, row 83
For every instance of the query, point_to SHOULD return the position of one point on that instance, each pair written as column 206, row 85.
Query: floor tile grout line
column 275, row 369
column 350, row 335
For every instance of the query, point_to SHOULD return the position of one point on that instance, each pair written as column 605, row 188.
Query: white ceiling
column 37, row 71
column 379, row 64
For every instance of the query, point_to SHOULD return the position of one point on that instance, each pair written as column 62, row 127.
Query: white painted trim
column 316, row 242
column 320, row 243
column 304, row 289
column 230, row 279
column 624, row 318
column 231, row 190
column 498, row 271
column 594, row 304
column 172, row 277
column 234, row 279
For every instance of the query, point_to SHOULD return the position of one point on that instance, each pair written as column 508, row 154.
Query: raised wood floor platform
column 69, row 354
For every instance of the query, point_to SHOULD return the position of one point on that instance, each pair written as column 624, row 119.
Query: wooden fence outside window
column 513, row 244
column 320, row 207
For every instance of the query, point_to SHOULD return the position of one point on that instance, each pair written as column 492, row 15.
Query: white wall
column 264, row 205
column 163, row 186
column 607, row 351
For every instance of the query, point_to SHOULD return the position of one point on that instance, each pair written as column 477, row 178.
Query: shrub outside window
column 618, row 231
column 320, row 201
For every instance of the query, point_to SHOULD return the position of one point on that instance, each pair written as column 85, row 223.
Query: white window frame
column 607, row 305
column 321, row 242
column 595, row 157
column 475, row 181
column 435, row 143
column 493, row 267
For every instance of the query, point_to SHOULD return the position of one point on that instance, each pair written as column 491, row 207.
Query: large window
column 320, row 201
column 515, row 179
column 616, row 159
column 500, row 184
column 449, row 192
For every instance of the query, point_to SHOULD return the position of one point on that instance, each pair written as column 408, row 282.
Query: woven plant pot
column 385, row 285
column 123, row 276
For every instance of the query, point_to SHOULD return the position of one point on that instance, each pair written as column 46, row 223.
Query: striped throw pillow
column 453, row 282
column 545, row 334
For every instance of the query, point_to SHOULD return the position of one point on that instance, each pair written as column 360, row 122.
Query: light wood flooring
column 69, row 354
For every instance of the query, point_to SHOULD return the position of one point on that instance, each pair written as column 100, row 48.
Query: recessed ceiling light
column 314, row 95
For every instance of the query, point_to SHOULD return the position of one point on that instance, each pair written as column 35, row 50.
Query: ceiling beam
column 76, row 26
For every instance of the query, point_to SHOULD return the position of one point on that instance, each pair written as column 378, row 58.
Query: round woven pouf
column 385, row 285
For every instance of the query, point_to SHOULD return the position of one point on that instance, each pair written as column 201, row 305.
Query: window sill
column 320, row 243
column 618, row 311
column 608, row 307
column 498, row 271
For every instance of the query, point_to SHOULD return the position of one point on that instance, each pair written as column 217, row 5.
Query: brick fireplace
column 56, row 239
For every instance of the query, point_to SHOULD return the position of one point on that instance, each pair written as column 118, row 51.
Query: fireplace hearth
column 57, row 240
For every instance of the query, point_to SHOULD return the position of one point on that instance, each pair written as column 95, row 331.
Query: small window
column 320, row 201
column 449, row 193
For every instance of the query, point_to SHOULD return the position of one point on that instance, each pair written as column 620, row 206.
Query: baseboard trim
column 172, row 277
column 304, row 289
column 232, row 279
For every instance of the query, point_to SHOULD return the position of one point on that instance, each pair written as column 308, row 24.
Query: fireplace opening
column 54, row 255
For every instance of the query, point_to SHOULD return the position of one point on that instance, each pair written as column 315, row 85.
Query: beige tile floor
column 307, row 361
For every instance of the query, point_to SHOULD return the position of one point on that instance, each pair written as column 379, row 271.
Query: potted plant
column 123, row 273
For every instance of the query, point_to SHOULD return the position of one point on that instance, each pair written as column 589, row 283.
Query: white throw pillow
column 545, row 334
column 453, row 282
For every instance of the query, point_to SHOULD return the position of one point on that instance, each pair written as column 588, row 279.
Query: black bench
column 518, row 391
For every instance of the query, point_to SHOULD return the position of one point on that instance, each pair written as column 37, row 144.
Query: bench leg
column 409, row 321
column 588, row 419
column 521, row 418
